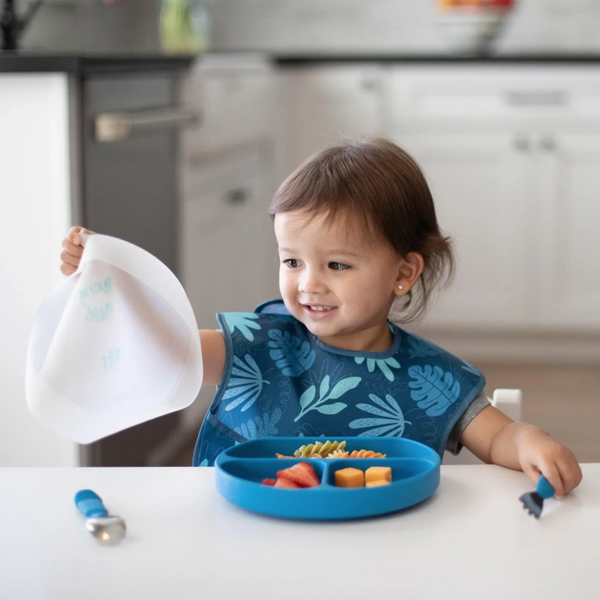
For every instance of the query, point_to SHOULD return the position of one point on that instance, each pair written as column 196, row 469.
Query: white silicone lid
column 116, row 344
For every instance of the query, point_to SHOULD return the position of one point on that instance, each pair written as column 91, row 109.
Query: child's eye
column 292, row 263
column 337, row 266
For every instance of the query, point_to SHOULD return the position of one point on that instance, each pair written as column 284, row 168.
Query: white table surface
column 470, row 540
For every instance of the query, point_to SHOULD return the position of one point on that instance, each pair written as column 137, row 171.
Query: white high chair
column 505, row 400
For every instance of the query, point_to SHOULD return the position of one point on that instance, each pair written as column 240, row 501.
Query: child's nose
column 311, row 283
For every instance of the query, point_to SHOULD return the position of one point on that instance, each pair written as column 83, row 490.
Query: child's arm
column 494, row 438
column 213, row 356
column 211, row 342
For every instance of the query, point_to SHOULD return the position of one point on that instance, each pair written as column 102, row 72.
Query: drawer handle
column 116, row 127
column 237, row 196
column 368, row 84
column 548, row 98
column 548, row 144
column 522, row 143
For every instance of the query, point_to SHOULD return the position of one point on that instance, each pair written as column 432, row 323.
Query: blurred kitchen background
column 174, row 136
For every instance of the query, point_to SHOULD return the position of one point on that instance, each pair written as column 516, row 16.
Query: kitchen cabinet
column 226, row 266
column 522, row 211
column 326, row 104
column 235, row 94
column 227, row 249
column 568, row 245
column 512, row 166
column 479, row 185
column 511, row 154
column 228, row 253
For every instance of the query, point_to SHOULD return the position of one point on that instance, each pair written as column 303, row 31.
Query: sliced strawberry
column 301, row 474
column 286, row 483
column 269, row 481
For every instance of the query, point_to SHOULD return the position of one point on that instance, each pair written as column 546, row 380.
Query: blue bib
column 281, row 380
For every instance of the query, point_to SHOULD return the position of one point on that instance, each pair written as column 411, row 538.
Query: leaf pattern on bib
column 310, row 401
column 245, row 383
column 260, row 427
column 433, row 389
column 384, row 365
column 390, row 421
column 418, row 348
column 243, row 322
column 290, row 354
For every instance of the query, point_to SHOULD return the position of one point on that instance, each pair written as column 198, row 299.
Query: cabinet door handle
column 522, row 143
column 116, row 127
column 537, row 98
column 368, row 83
column 237, row 196
column 548, row 144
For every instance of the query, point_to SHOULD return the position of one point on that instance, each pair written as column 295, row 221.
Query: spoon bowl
column 109, row 531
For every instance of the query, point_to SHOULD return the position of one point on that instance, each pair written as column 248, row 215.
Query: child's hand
column 72, row 250
column 540, row 454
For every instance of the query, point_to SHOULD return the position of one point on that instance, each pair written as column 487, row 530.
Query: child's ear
column 409, row 272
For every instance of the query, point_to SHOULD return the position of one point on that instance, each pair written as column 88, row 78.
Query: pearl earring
column 400, row 287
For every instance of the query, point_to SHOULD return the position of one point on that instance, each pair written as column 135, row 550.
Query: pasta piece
column 282, row 455
column 366, row 454
column 320, row 448
column 338, row 454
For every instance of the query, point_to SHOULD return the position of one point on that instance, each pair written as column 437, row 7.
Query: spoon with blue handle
column 534, row 501
column 108, row 530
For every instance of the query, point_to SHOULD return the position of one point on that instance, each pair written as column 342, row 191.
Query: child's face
column 334, row 282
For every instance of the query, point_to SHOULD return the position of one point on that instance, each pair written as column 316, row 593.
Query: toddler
column 358, row 241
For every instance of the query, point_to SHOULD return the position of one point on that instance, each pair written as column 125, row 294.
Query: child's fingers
column 74, row 237
column 66, row 269
column 532, row 472
column 552, row 474
column 71, row 249
column 571, row 474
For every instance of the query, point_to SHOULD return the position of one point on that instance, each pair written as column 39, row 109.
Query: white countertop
column 471, row 540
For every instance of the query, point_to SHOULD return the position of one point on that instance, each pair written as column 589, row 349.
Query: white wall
column 35, row 197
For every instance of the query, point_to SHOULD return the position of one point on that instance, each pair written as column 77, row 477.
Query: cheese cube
column 378, row 474
column 377, row 483
column 349, row 478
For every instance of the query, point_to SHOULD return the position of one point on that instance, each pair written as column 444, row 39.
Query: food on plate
column 300, row 475
column 377, row 483
column 374, row 474
column 330, row 450
column 349, row 478
column 365, row 454
column 338, row 454
column 319, row 449
column 286, row 483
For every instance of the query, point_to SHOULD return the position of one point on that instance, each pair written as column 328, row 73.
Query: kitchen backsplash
column 394, row 25
column 304, row 26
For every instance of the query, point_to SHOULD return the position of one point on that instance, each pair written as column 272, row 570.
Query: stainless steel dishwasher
column 129, row 189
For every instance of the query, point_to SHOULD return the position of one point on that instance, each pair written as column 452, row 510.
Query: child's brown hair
column 378, row 183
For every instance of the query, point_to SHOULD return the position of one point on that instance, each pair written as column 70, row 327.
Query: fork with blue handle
column 534, row 501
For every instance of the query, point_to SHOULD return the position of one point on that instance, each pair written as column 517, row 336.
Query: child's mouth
column 318, row 311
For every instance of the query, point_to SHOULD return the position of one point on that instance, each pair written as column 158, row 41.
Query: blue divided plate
column 241, row 469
